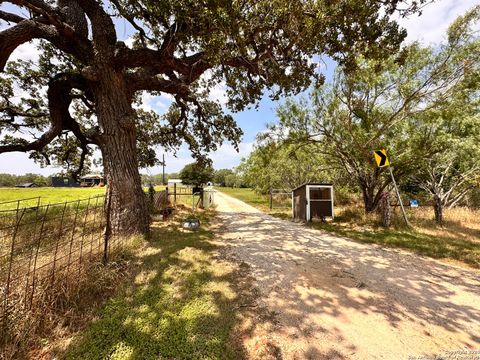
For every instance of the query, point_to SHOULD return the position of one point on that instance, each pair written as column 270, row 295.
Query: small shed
column 92, row 180
column 61, row 181
column 312, row 201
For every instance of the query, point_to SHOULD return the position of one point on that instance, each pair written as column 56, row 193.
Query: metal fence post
column 30, row 257
column 36, row 254
column 9, row 274
column 108, row 225
column 73, row 237
column 93, row 226
column 83, row 234
column 60, row 234
column 271, row 199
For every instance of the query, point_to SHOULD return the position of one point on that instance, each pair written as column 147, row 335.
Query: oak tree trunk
column 369, row 200
column 128, row 208
column 438, row 209
column 386, row 210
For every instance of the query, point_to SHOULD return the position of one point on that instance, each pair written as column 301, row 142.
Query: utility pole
column 163, row 171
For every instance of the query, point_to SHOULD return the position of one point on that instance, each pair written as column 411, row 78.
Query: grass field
column 47, row 195
column 247, row 195
column 180, row 305
column 457, row 241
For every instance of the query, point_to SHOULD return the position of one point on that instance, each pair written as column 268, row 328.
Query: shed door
column 299, row 206
column 321, row 202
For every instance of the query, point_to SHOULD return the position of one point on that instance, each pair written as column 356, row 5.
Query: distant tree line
column 200, row 174
column 9, row 180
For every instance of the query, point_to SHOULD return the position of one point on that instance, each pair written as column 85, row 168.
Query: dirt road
column 331, row 298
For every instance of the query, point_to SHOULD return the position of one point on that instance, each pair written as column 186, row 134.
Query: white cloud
column 159, row 104
column 227, row 157
column 431, row 26
column 219, row 93
column 27, row 51
column 129, row 41
column 19, row 163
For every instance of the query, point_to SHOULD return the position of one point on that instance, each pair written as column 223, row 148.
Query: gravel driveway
column 332, row 298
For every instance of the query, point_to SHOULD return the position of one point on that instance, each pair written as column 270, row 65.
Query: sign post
column 382, row 161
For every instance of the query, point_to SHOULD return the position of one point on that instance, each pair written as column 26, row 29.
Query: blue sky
column 428, row 28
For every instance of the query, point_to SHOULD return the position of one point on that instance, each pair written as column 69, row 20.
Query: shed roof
column 91, row 176
column 26, row 185
column 314, row 184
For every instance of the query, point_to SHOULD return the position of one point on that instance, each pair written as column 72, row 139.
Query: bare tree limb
column 59, row 100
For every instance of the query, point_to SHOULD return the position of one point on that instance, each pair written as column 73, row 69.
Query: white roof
column 92, row 176
column 178, row 181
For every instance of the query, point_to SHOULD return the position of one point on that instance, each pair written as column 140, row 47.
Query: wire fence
column 38, row 243
column 44, row 247
column 280, row 199
column 185, row 195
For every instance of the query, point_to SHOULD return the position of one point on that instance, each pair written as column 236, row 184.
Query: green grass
column 181, row 304
column 261, row 202
column 437, row 247
column 47, row 195
column 247, row 195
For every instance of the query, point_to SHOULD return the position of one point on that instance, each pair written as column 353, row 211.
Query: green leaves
column 283, row 166
column 420, row 106
column 253, row 47
column 196, row 174
column 268, row 45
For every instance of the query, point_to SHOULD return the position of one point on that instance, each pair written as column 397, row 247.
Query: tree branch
column 10, row 17
column 103, row 30
column 59, row 100
column 27, row 30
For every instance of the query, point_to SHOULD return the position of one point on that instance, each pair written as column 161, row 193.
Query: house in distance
column 92, row 180
column 64, row 181
column 26, row 185
column 85, row 181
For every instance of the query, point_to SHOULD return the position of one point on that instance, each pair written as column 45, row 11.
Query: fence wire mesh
column 39, row 242
column 280, row 199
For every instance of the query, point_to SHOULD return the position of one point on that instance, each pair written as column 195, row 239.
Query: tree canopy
column 384, row 105
column 250, row 46
column 283, row 166
column 196, row 174
column 84, row 89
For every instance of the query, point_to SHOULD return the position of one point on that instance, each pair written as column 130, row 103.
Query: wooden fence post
column 271, row 199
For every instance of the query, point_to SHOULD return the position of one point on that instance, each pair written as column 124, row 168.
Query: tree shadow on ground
column 184, row 303
column 405, row 287
column 438, row 247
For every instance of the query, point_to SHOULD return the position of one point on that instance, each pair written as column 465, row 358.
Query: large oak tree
column 86, row 82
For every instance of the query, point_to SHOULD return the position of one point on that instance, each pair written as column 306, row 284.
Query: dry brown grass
column 64, row 306
column 457, row 241
column 459, row 222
